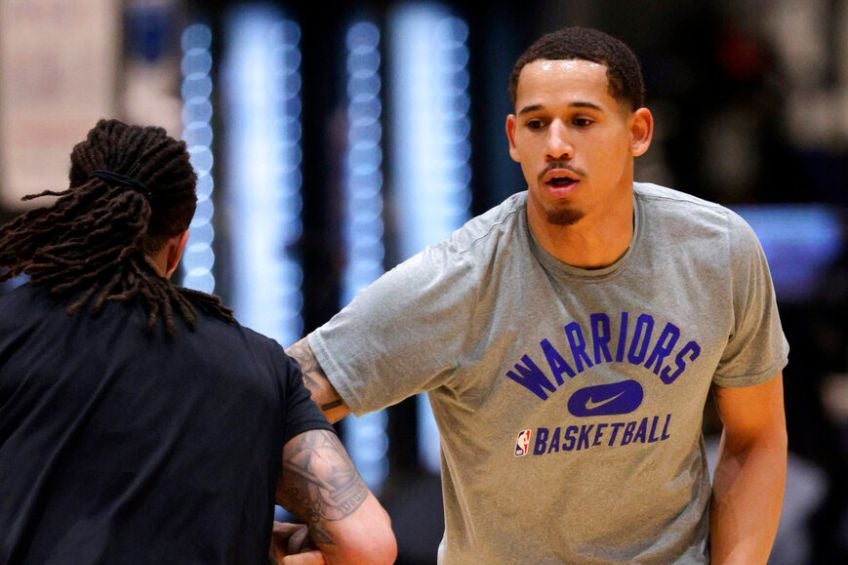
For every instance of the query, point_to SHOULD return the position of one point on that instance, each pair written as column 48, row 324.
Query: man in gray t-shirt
column 568, row 340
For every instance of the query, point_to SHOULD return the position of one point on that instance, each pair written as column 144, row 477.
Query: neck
column 159, row 262
column 593, row 242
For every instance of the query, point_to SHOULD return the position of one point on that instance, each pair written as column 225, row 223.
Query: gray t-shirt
column 569, row 401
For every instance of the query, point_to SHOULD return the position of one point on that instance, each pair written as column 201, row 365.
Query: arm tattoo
column 314, row 377
column 319, row 482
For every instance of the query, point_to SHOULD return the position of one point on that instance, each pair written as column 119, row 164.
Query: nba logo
column 522, row 442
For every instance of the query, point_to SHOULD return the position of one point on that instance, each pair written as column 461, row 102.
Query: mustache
column 563, row 166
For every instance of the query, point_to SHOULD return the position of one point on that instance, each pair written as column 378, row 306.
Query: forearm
column 368, row 538
column 320, row 485
column 316, row 381
column 747, row 499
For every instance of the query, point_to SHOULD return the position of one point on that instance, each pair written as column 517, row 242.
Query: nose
column 558, row 144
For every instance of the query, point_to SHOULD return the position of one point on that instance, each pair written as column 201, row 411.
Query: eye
column 582, row 122
column 534, row 123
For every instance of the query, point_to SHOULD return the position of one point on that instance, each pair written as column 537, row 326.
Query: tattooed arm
column 322, row 391
column 320, row 485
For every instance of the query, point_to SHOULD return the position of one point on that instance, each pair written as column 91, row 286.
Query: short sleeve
column 403, row 335
column 301, row 414
column 757, row 348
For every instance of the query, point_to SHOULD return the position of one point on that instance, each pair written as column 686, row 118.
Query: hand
column 290, row 540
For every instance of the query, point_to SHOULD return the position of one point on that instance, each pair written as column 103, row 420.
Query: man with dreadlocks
column 125, row 401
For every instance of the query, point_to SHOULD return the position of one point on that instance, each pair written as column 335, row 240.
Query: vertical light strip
column 363, row 229
column 196, row 90
column 365, row 436
column 262, row 88
column 430, row 127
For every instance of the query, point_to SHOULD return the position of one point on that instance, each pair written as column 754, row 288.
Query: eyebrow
column 536, row 107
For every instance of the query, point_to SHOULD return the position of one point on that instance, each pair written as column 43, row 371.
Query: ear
column 175, row 246
column 641, row 131
column 510, row 136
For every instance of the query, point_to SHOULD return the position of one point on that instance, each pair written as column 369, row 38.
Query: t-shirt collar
column 559, row 268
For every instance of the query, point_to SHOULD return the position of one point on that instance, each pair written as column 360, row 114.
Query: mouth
column 560, row 181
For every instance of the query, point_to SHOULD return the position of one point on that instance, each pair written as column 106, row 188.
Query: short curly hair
column 623, row 71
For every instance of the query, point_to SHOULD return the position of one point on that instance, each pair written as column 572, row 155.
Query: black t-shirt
column 117, row 446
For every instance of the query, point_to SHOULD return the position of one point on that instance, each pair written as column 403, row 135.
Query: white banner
column 58, row 68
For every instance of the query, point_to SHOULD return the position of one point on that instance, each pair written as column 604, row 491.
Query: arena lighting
column 262, row 89
column 196, row 91
column 365, row 436
column 800, row 241
column 363, row 224
column 430, row 130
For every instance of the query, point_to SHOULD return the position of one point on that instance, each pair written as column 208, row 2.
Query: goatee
column 563, row 217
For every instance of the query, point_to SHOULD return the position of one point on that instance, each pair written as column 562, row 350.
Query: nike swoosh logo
column 603, row 400
column 591, row 404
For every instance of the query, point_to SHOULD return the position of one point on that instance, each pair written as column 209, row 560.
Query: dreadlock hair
column 623, row 72
column 131, row 188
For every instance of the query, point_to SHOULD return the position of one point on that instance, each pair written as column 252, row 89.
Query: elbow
column 390, row 543
column 777, row 440
column 772, row 438
column 373, row 550
column 385, row 551
column 373, row 545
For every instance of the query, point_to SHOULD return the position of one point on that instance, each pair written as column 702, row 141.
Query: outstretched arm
column 750, row 474
column 320, row 485
column 322, row 391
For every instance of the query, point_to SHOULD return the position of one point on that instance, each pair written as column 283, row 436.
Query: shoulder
column 678, row 210
column 467, row 252
column 232, row 339
column 27, row 303
column 451, row 268
column 25, row 295
column 675, row 201
column 244, row 354
column 245, row 337
column 485, row 234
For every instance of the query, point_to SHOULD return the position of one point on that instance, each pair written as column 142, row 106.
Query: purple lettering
column 627, row 434
column 583, row 439
column 578, row 346
column 651, row 437
column 641, row 338
column 622, row 338
column 541, row 441
column 557, row 364
column 662, row 349
column 568, row 438
column 554, row 445
column 691, row 348
column 601, row 337
column 615, row 427
column 641, row 431
column 531, row 377
column 665, row 434
column 599, row 433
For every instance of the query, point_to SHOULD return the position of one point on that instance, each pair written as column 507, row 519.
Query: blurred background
column 334, row 139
